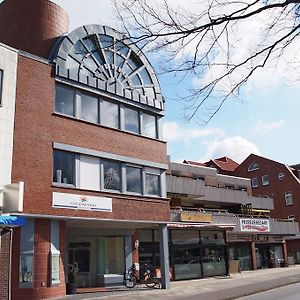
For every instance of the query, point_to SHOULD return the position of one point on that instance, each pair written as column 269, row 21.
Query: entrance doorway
column 79, row 262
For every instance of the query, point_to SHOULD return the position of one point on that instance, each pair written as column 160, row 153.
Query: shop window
column 149, row 126
column 55, row 253
column 110, row 114
column 265, row 180
column 89, row 108
column 1, row 86
column 253, row 167
column 65, row 100
column 64, row 167
column 132, row 120
column 288, row 198
column 26, row 254
column 254, row 182
column 152, row 184
column 134, row 179
column 112, row 177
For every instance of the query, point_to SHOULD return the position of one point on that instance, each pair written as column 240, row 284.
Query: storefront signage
column 255, row 225
column 71, row 201
column 239, row 237
column 189, row 217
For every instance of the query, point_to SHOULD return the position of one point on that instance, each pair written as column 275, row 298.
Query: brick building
column 279, row 181
column 84, row 154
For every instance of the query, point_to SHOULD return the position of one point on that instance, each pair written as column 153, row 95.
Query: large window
column 64, row 167
column 149, row 125
column 132, row 122
column 1, row 86
column 93, row 108
column 112, row 177
column 152, row 184
column 89, row 108
column 110, row 116
column 65, row 100
column 90, row 172
column 134, row 179
column 253, row 167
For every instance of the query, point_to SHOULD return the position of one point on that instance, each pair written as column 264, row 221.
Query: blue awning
column 7, row 221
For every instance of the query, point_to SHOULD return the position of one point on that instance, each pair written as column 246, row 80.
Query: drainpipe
column 10, row 264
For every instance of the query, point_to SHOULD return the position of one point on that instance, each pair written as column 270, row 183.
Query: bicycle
column 132, row 278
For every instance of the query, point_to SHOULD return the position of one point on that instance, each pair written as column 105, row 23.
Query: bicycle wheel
column 150, row 280
column 130, row 280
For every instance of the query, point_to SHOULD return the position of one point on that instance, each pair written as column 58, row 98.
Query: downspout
column 10, row 263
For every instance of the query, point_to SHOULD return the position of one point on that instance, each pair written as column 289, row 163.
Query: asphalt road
column 289, row 292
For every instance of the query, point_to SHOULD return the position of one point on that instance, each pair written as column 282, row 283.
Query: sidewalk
column 216, row 288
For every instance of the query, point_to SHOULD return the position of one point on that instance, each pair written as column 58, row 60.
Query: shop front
column 193, row 253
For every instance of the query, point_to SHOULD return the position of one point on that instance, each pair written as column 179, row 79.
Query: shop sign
column 239, row 237
column 255, row 225
column 189, row 217
column 81, row 202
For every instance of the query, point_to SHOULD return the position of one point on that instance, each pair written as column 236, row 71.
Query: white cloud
column 263, row 128
column 175, row 132
column 236, row 148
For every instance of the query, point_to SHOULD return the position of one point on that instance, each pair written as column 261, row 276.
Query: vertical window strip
column 55, row 253
column 1, row 86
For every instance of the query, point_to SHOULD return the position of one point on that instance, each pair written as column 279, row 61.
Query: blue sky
column 264, row 120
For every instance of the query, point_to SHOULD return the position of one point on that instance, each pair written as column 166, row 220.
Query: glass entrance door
column 79, row 263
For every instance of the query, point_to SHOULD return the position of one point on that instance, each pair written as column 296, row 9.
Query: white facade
column 8, row 63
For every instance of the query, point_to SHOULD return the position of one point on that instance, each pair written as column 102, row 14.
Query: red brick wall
column 42, row 288
column 4, row 264
column 276, row 188
column 18, row 18
column 37, row 127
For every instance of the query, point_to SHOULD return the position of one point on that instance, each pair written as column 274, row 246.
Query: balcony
column 196, row 189
column 215, row 217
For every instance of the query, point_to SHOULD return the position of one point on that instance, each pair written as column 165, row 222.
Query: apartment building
column 282, row 183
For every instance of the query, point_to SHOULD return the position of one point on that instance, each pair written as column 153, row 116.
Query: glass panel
column 152, row 184
column 64, row 100
column 185, row 237
column 132, row 120
column 82, row 259
column 106, row 41
column 89, row 108
column 149, row 125
column 121, row 48
column 64, row 167
column 110, row 114
column 119, row 61
column 26, row 268
column 136, row 80
column 212, row 237
column 134, row 62
column 109, row 56
column 55, row 268
column 114, row 255
column 213, row 258
column 145, row 76
column 243, row 254
column 134, row 179
column 112, row 178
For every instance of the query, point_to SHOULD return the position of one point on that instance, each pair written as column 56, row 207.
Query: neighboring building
column 224, row 165
column 215, row 220
column 279, row 181
column 81, row 115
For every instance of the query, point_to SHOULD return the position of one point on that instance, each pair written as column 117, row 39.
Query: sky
column 264, row 120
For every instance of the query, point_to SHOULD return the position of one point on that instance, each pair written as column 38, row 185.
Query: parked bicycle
column 133, row 278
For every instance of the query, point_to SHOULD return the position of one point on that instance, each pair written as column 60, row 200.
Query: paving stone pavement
column 214, row 288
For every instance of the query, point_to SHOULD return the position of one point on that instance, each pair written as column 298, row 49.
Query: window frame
column 74, row 92
column 252, row 182
column 288, row 196
column 159, row 184
column 281, row 176
column 138, row 120
column 1, row 85
column 74, row 175
column 142, row 185
column 143, row 125
column 253, row 167
column 265, row 182
column 102, row 174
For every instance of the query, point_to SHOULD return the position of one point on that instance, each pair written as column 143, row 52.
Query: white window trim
column 288, row 195
column 253, row 167
column 252, row 184
column 264, row 183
